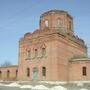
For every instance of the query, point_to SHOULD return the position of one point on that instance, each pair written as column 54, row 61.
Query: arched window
column 84, row 71
column 16, row 73
column 36, row 52
column 46, row 23
column 43, row 51
column 28, row 54
column 70, row 25
column 0, row 74
column 28, row 72
column 44, row 71
column 59, row 23
column 8, row 73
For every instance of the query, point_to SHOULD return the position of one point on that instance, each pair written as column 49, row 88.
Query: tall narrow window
column 70, row 25
column 44, row 71
column 84, row 71
column 16, row 73
column 28, row 72
column 36, row 52
column 46, row 23
column 43, row 51
column 28, row 54
column 59, row 23
column 0, row 74
column 8, row 74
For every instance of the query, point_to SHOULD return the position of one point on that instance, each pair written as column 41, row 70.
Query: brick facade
column 52, row 52
column 9, row 73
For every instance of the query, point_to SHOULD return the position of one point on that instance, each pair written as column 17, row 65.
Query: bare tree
column 6, row 63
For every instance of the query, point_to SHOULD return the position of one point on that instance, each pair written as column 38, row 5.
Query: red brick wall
column 12, row 75
column 76, row 70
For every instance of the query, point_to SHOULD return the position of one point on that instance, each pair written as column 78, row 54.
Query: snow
column 1, row 80
column 1, row 84
column 40, row 87
column 26, row 86
column 83, row 89
column 79, row 81
column 79, row 84
column 10, row 85
column 53, row 82
column 13, row 85
column 58, row 88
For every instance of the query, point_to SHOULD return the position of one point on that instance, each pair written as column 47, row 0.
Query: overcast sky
column 20, row 16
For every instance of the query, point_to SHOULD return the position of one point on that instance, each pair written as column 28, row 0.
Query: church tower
column 57, row 19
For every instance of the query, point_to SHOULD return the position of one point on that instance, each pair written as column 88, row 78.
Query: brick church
column 52, row 52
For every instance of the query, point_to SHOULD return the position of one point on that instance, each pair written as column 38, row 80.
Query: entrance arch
column 35, row 73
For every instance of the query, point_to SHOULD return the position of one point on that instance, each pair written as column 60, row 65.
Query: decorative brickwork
column 49, row 52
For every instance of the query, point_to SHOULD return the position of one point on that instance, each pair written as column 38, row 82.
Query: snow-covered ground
column 26, row 86
column 36, row 87
column 44, row 85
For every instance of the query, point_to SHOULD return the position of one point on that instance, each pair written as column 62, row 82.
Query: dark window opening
column 0, row 74
column 43, row 51
column 84, row 71
column 36, row 52
column 28, row 72
column 16, row 73
column 43, row 71
column 8, row 74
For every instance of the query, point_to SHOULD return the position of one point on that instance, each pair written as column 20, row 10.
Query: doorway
column 35, row 73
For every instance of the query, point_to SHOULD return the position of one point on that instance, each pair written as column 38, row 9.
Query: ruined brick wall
column 60, row 42
column 9, row 73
